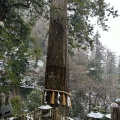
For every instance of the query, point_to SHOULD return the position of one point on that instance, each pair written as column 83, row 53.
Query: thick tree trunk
column 56, row 76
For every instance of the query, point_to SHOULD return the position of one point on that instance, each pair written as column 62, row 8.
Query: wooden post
column 3, row 99
column 0, row 100
column 34, row 115
column 10, row 97
column 118, row 102
column 115, row 111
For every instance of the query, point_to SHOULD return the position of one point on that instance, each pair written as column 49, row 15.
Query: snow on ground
column 95, row 115
column 108, row 116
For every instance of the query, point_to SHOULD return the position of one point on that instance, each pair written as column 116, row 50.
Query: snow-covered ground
column 95, row 115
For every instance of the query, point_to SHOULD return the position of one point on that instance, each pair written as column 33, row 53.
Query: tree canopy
column 80, row 14
column 19, row 16
column 16, row 39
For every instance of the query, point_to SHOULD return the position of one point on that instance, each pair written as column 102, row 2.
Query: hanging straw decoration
column 65, row 95
column 50, row 112
column 45, row 94
column 52, row 101
column 69, row 102
column 63, row 102
column 58, row 98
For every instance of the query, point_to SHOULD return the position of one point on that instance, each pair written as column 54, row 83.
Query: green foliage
column 95, row 65
column 34, row 100
column 77, row 107
column 14, row 40
column 119, row 74
column 80, row 27
column 15, row 36
column 80, row 12
column 95, row 70
column 35, row 52
column 76, row 110
column 16, row 104
column 24, row 92
column 4, row 89
column 102, row 110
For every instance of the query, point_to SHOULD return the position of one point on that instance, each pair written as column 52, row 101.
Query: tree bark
column 115, row 111
column 115, row 115
column 56, row 75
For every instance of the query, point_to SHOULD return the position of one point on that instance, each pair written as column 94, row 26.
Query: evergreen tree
column 111, row 67
column 15, row 39
column 79, row 29
column 96, row 63
column 15, row 35
column 119, row 72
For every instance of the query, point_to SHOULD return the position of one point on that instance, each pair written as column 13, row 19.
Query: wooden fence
column 37, row 115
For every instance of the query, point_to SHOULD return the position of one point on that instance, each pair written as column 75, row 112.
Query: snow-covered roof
column 117, row 100
column 115, row 105
column 45, row 107
column 95, row 115
column 108, row 116
column 69, row 118
column 12, row 118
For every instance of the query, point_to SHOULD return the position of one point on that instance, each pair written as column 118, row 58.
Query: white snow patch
column 108, row 116
column 114, row 105
column 45, row 106
column 95, row 115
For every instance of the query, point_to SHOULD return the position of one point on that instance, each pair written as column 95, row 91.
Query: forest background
column 93, row 69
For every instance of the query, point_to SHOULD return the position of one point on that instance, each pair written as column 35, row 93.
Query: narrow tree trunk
column 90, row 102
column 56, row 75
column 15, row 90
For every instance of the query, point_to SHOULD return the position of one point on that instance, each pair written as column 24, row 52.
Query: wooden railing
column 56, row 115
column 5, row 103
column 36, row 115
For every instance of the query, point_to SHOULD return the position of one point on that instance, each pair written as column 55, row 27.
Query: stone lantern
column 118, row 101
column 46, row 111
column 95, row 115
column 5, row 105
column 115, row 110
